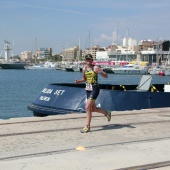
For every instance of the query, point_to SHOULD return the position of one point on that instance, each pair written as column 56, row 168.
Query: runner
column 90, row 76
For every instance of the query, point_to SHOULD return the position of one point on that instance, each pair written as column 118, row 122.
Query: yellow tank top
column 91, row 76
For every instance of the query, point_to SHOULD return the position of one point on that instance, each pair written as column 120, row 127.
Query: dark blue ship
column 62, row 98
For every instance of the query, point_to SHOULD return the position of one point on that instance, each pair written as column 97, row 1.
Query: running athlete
column 90, row 75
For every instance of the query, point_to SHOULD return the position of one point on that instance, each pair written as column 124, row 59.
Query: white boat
column 154, row 71
column 76, row 69
column 72, row 68
column 166, row 72
column 130, row 69
column 58, row 67
column 50, row 64
column 35, row 67
column 11, row 64
column 46, row 65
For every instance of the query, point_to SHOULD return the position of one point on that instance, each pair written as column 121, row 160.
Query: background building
column 145, row 45
column 72, row 54
column 102, row 56
column 44, row 53
column 92, row 50
column 26, row 55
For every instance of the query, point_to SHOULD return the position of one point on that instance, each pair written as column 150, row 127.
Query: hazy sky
column 60, row 23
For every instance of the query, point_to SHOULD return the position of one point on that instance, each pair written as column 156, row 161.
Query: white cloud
column 109, row 39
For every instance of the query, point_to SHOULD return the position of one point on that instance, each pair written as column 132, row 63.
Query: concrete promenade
column 133, row 140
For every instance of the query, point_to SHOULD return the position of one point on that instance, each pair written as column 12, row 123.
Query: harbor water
column 18, row 88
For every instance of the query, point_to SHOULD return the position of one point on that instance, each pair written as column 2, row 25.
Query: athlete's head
column 89, row 56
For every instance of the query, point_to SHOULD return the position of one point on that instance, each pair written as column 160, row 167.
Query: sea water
column 18, row 88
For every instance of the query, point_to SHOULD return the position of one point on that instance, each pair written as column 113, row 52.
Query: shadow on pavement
column 113, row 126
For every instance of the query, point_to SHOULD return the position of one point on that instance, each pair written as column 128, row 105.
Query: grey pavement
column 139, row 139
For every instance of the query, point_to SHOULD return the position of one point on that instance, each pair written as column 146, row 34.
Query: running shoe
column 85, row 129
column 108, row 115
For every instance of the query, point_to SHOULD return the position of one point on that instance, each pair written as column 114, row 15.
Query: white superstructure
column 6, row 50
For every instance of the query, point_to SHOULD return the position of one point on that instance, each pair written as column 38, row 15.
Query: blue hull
column 68, row 98
column 19, row 65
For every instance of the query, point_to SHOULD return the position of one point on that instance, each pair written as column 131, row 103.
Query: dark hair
column 88, row 56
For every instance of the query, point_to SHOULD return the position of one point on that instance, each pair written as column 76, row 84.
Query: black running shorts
column 92, row 95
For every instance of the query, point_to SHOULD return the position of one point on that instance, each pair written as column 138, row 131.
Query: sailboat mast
column 35, row 49
column 89, row 43
column 116, row 38
column 13, row 49
column 79, row 57
column 127, row 42
column 117, row 33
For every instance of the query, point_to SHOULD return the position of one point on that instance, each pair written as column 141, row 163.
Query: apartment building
column 92, row 50
column 146, row 45
column 26, row 55
column 72, row 54
column 44, row 53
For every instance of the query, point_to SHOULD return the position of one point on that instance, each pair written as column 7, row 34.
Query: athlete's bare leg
column 96, row 109
column 89, row 106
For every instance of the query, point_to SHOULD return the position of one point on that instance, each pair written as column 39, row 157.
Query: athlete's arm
column 100, row 71
column 81, row 80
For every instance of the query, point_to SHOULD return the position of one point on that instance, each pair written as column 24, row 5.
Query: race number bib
column 89, row 87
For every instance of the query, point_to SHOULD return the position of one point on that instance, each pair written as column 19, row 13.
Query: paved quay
column 132, row 140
